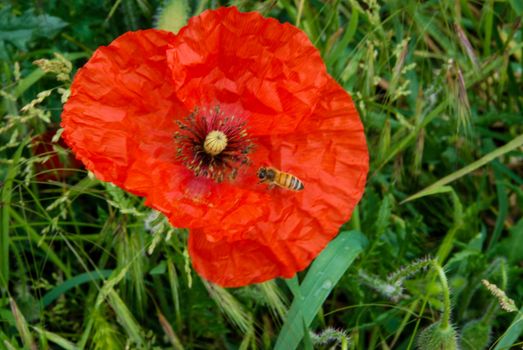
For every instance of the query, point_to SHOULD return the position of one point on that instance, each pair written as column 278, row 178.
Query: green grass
column 84, row 265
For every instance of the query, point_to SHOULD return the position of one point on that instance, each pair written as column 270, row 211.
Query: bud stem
column 445, row 319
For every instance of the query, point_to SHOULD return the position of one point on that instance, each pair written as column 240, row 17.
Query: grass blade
column 22, row 326
column 5, row 218
column 511, row 335
column 169, row 332
column 40, row 243
column 321, row 278
column 510, row 146
column 58, row 340
column 62, row 288
column 175, row 294
column 125, row 318
column 5, row 342
column 503, row 204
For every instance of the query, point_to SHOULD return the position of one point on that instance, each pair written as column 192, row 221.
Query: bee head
column 262, row 173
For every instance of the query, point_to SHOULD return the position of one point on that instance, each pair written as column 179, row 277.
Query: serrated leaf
column 19, row 31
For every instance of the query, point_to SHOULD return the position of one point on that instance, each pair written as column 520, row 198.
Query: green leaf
column 518, row 6
column 54, row 293
column 322, row 277
column 6, row 317
column 510, row 247
column 159, row 269
column 512, row 334
column 20, row 30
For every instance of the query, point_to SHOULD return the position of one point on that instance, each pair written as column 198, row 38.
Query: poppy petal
column 271, row 70
column 120, row 121
column 329, row 154
column 120, row 113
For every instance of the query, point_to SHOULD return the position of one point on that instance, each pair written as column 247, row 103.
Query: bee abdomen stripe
column 293, row 183
column 298, row 185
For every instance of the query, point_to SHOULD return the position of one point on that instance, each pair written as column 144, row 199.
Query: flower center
column 213, row 143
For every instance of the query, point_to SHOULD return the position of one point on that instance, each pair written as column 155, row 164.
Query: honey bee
column 273, row 176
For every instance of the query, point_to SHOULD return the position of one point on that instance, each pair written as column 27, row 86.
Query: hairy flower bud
column 436, row 337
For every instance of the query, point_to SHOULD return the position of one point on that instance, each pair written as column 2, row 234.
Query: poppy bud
column 438, row 337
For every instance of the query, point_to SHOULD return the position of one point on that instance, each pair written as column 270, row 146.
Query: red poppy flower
column 187, row 121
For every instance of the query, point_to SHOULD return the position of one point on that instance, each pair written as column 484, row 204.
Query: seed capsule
column 215, row 142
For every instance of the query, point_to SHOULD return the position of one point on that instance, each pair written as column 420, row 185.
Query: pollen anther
column 215, row 142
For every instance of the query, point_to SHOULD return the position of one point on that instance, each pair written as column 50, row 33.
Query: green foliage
column 22, row 326
column 512, row 334
column 323, row 275
column 84, row 265
column 475, row 335
column 105, row 333
column 21, row 30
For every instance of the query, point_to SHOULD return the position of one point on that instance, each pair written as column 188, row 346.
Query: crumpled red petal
column 121, row 118
column 329, row 154
column 120, row 121
column 271, row 70
column 120, row 110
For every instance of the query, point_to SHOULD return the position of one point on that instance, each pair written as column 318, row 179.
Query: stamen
column 213, row 144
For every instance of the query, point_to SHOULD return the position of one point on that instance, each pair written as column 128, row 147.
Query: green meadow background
column 431, row 259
